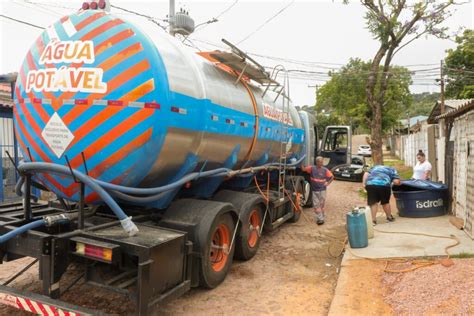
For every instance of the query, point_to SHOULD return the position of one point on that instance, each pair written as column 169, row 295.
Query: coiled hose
column 20, row 230
column 105, row 189
column 125, row 221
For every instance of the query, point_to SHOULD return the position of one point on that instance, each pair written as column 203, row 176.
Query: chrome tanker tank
column 139, row 110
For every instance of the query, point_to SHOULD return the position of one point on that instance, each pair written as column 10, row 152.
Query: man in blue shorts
column 378, row 184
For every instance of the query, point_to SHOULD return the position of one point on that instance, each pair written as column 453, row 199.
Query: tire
column 309, row 193
column 215, row 261
column 248, row 239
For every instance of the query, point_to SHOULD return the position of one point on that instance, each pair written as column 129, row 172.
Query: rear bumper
column 40, row 304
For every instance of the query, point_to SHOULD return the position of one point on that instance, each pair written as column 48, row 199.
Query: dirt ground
column 433, row 290
column 294, row 274
column 291, row 274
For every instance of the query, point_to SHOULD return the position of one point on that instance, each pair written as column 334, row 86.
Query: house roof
column 414, row 120
column 461, row 108
column 450, row 105
column 6, row 101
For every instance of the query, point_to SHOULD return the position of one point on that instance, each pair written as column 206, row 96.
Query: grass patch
column 405, row 172
column 362, row 193
column 463, row 255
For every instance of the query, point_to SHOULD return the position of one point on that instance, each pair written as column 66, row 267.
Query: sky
column 313, row 36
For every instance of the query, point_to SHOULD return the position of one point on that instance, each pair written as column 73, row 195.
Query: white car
column 364, row 150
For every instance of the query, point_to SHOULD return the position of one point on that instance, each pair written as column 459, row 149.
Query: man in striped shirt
column 321, row 177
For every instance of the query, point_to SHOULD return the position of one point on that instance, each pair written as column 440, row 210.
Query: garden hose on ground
column 416, row 264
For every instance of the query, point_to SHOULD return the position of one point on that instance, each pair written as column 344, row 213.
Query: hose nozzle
column 129, row 226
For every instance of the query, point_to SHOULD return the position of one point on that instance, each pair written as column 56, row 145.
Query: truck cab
column 335, row 146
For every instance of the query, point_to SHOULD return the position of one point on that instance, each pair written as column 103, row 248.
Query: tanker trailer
column 204, row 151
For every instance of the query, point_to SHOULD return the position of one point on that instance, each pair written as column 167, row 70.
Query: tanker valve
column 58, row 219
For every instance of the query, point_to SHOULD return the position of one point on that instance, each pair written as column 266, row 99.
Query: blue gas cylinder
column 357, row 229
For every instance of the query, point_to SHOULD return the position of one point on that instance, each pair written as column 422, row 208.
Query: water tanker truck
column 161, row 164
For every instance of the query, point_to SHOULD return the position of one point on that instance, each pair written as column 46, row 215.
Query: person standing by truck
column 378, row 184
column 321, row 178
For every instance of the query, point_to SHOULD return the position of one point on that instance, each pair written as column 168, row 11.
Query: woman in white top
column 422, row 170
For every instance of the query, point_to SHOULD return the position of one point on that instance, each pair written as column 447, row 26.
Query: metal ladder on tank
column 284, row 91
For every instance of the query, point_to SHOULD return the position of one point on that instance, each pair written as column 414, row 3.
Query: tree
column 422, row 103
column 345, row 95
column 395, row 24
column 460, row 67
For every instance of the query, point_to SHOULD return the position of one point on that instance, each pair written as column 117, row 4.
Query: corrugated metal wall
column 411, row 144
column 463, row 136
column 469, row 226
column 6, row 135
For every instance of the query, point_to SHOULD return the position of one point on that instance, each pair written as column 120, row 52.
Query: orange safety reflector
column 98, row 252
column 94, row 251
column 107, row 254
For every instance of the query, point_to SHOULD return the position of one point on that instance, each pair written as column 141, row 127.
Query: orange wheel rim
column 298, row 202
column 254, row 226
column 220, row 242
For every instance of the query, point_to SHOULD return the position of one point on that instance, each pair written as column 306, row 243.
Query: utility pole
column 316, row 96
column 441, row 99
column 408, row 122
column 171, row 18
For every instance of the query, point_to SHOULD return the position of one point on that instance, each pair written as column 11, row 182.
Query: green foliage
column 326, row 119
column 363, row 193
column 395, row 24
column 323, row 118
column 463, row 255
column 344, row 96
column 404, row 172
column 460, row 67
column 422, row 103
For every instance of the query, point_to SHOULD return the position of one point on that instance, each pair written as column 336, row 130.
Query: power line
column 44, row 8
column 227, row 9
column 266, row 22
column 460, row 70
column 150, row 18
column 22, row 22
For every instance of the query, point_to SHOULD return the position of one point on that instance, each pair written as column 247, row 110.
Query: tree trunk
column 376, row 107
column 376, row 134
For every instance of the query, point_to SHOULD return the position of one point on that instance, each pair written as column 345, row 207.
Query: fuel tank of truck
column 139, row 110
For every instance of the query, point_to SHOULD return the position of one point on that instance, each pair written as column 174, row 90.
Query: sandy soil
column 291, row 274
column 366, row 289
column 433, row 290
column 360, row 290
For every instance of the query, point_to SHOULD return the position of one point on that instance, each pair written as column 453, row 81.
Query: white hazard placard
column 57, row 135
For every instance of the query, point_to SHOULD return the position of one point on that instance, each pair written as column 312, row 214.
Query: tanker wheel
column 298, row 201
column 248, row 241
column 217, row 257
column 308, row 194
